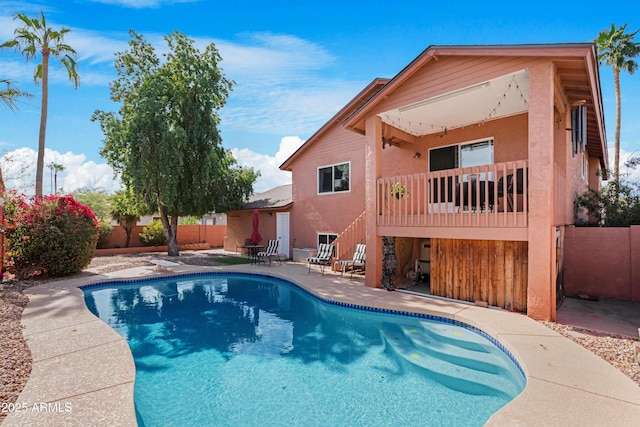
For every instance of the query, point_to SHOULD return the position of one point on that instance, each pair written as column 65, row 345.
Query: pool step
column 471, row 350
column 476, row 371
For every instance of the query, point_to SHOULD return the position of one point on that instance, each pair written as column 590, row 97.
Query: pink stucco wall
column 314, row 213
column 240, row 227
column 603, row 262
column 211, row 234
column 509, row 135
column 540, row 136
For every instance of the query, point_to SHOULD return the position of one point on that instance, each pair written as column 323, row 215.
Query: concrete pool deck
column 83, row 372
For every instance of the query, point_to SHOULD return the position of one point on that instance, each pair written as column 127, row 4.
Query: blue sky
column 295, row 64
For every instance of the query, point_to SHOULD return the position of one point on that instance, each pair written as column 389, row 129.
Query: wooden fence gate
column 493, row 271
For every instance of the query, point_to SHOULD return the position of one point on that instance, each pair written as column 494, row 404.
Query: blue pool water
column 237, row 349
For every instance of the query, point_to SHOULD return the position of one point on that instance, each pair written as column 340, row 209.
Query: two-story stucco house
column 474, row 152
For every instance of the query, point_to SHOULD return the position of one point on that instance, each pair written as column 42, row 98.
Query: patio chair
column 323, row 258
column 358, row 260
column 270, row 251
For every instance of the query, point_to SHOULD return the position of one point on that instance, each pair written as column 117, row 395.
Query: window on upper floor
column 475, row 153
column 464, row 155
column 334, row 178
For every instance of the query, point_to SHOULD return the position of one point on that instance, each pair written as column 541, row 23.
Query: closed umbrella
column 255, row 236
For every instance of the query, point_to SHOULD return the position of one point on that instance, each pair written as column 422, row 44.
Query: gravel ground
column 15, row 357
column 615, row 349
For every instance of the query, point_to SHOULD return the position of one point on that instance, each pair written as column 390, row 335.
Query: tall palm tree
column 55, row 168
column 9, row 93
column 37, row 37
column 615, row 48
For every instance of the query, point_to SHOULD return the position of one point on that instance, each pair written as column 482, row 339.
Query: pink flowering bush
column 53, row 236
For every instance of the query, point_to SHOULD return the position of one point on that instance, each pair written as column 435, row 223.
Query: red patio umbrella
column 255, row 236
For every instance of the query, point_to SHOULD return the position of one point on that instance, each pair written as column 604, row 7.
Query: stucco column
column 373, row 162
column 541, row 269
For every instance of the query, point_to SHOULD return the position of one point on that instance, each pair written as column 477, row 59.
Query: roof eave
column 433, row 52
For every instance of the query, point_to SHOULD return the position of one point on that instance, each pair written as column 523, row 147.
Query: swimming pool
column 243, row 349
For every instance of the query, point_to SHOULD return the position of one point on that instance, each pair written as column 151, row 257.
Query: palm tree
column 54, row 168
column 9, row 94
column 126, row 210
column 615, row 48
column 37, row 37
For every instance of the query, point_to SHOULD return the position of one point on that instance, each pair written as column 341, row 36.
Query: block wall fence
column 195, row 237
column 602, row 262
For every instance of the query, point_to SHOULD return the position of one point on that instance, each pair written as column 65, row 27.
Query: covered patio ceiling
column 489, row 100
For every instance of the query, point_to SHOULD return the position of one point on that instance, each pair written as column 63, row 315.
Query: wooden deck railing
column 345, row 243
column 481, row 196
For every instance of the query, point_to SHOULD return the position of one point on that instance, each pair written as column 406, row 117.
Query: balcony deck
column 484, row 202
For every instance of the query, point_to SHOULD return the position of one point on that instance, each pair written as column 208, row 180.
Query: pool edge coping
column 514, row 411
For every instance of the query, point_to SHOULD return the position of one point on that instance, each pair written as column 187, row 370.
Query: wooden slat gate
column 481, row 270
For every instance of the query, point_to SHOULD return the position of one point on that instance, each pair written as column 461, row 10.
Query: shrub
column 188, row 220
column 105, row 231
column 617, row 204
column 53, row 236
column 153, row 234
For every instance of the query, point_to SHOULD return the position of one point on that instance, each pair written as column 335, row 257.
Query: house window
column 475, row 153
column 472, row 153
column 585, row 166
column 333, row 178
column 326, row 238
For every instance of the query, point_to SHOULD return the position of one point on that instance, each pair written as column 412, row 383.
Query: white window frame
column 332, row 166
column 585, row 166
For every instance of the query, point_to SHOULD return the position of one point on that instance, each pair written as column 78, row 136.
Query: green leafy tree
column 33, row 38
column 616, row 49
column 164, row 141
column 127, row 210
column 97, row 199
column 617, row 204
column 9, row 94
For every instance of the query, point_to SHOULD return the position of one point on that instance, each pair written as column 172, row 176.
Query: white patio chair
column 358, row 261
column 323, row 258
column 271, row 251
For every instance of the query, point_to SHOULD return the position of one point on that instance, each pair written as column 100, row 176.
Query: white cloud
column 142, row 4
column 281, row 109
column 282, row 88
column 281, row 80
column 288, row 146
column 17, row 69
column 279, row 89
column 271, row 175
column 272, row 57
column 95, row 56
column 18, row 170
column 95, row 47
